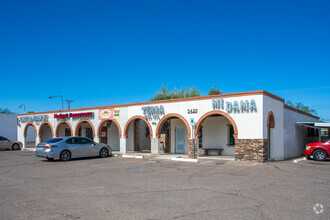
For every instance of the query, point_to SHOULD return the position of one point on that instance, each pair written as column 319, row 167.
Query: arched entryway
column 30, row 135
column 174, row 132
column 138, row 134
column 109, row 132
column 270, row 133
column 216, row 130
column 63, row 129
column 46, row 131
column 85, row 128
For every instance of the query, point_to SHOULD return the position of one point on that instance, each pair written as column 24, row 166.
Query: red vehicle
column 319, row 150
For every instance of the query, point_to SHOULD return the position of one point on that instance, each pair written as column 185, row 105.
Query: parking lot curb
column 184, row 159
column 132, row 156
column 29, row 149
column 227, row 159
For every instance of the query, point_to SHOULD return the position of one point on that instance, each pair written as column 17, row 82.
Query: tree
column 6, row 111
column 163, row 93
column 300, row 106
column 214, row 91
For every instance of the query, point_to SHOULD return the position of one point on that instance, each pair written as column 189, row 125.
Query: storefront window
column 312, row 132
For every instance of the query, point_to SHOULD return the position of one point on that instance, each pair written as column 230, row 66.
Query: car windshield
column 326, row 140
column 54, row 140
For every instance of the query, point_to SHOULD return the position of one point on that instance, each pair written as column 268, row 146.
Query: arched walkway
column 133, row 119
column 172, row 115
column 80, row 123
column 26, row 128
column 30, row 140
column 216, row 112
column 45, row 123
column 138, row 134
column 216, row 130
column 105, row 120
column 59, row 125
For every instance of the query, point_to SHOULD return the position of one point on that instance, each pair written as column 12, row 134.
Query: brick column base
column 192, row 153
column 254, row 150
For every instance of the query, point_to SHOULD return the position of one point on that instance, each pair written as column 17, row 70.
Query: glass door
column 180, row 140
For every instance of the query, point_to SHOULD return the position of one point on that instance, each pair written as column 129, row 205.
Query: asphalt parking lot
column 119, row 188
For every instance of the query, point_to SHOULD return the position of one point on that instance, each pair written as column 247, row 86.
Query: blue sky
column 113, row 52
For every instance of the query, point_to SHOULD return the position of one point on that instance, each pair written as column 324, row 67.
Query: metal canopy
column 314, row 124
column 317, row 125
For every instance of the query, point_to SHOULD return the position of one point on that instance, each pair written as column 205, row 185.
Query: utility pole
column 69, row 101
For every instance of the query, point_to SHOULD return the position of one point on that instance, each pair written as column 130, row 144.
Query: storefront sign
column 36, row 118
column 153, row 112
column 110, row 113
column 73, row 115
column 236, row 107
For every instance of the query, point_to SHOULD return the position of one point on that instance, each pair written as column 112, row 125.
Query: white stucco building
column 251, row 126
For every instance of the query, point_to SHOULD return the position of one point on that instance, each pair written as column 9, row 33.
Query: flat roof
column 226, row 95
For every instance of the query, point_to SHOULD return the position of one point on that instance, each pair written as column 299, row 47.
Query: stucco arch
column 82, row 121
column 172, row 115
column 105, row 120
column 271, row 120
column 58, row 127
column 216, row 112
column 134, row 118
column 26, row 128
column 43, row 124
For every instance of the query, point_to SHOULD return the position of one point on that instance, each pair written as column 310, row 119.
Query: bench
column 206, row 150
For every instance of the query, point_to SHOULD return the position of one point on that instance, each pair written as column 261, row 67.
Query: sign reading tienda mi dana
column 109, row 113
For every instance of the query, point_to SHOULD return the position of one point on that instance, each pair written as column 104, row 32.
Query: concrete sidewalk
column 176, row 157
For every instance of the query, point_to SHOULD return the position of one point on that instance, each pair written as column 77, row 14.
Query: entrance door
column 179, row 140
column 104, row 135
column 89, row 133
column 270, row 143
column 67, row 132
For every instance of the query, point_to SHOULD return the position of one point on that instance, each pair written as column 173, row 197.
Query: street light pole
column 57, row 96
column 69, row 101
column 21, row 107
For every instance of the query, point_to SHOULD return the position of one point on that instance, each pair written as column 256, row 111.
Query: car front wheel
column 320, row 155
column 104, row 153
column 65, row 155
column 15, row 147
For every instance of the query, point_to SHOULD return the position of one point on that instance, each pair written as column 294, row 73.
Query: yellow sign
column 110, row 113
column 116, row 113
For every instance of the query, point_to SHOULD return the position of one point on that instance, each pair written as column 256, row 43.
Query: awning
column 318, row 125
column 314, row 124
